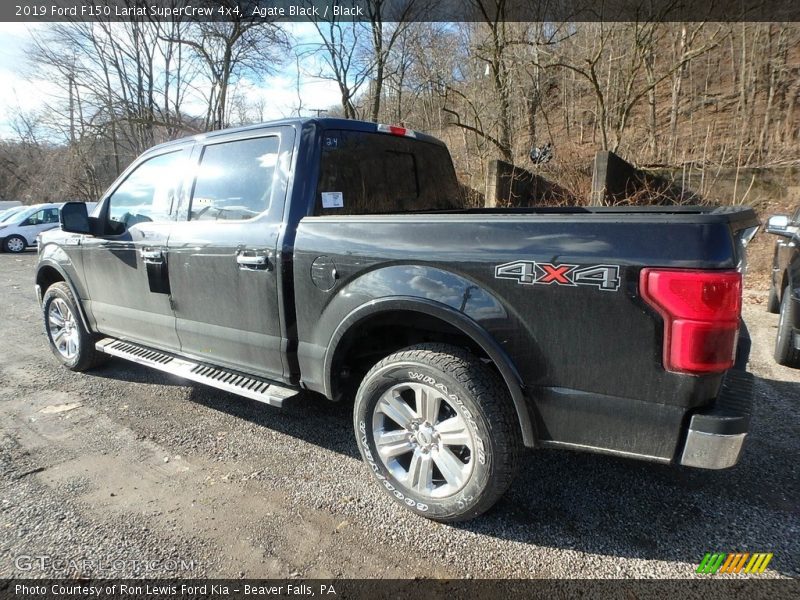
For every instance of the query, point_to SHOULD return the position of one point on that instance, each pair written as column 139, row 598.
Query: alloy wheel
column 423, row 439
column 63, row 329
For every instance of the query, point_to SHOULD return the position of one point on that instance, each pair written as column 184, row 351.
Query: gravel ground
column 124, row 471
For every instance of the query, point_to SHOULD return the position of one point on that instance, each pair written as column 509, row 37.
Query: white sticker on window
column 332, row 200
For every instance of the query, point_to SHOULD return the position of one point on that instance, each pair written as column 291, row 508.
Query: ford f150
column 336, row 256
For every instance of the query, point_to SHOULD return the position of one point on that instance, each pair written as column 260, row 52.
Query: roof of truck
column 324, row 122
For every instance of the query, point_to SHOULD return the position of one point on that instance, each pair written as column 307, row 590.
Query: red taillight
column 395, row 130
column 701, row 311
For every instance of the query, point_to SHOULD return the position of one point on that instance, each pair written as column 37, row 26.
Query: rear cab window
column 363, row 173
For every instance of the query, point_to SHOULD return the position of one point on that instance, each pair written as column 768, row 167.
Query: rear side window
column 376, row 173
column 234, row 180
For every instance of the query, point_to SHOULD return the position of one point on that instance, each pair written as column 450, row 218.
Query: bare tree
column 232, row 50
column 340, row 49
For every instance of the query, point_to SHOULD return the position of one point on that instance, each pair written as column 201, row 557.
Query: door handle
column 152, row 255
column 252, row 261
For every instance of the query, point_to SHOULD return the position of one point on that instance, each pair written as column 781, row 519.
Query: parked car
column 21, row 230
column 336, row 256
column 784, row 289
column 21, row 227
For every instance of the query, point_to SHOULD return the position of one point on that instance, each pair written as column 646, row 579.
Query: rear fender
column 458, row 301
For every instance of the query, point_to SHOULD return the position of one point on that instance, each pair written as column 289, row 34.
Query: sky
column 17, row 88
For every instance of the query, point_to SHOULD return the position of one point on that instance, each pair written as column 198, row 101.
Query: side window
column 50, row 216
column 34, row 219
column 234, row 179
column 148, row 194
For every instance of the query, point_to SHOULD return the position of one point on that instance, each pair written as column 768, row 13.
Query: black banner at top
column 556, row 11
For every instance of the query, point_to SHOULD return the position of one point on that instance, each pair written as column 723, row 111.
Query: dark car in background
column 784, row 290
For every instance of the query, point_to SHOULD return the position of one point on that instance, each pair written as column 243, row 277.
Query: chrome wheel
column 423, row 440
column 15, row 244
column 63, row 329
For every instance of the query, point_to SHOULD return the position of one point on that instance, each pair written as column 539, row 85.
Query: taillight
column 701, row 311
column 395, row 130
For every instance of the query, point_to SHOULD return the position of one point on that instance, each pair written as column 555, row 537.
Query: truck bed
column 567, row 341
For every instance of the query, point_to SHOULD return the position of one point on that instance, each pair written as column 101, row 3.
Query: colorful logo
column 720, row 562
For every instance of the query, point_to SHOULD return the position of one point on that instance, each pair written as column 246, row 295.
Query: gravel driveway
column 127, row 472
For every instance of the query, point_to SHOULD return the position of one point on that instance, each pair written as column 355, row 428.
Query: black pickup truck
column 784, row 288
column 336, row 256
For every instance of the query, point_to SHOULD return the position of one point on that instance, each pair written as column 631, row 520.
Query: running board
column 223, row 379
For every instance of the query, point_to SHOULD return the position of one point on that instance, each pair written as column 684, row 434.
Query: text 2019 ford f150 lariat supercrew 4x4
column 335, row 256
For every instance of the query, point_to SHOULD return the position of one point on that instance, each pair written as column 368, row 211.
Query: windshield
column 376, row 173
column 7, row 214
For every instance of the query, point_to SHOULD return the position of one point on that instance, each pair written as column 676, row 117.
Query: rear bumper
column 716, row 436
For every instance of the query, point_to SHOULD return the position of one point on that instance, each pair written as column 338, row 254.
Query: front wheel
column 69, row 340
column 438, row 430
column 15, row 243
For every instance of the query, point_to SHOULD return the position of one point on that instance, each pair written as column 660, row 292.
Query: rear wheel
column 69, row 340
column 438, row 430
column 785, row 352
column 15, row 243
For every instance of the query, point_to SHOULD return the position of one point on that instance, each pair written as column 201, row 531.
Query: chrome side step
column 223, row 379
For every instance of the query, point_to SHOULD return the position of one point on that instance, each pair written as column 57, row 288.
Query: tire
column 74, row 348
column 15, row 244
column 773, row 304
column 416, row 465
column 785, row 352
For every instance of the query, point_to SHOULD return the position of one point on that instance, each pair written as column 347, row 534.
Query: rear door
column 125, row 267
column 222, row 252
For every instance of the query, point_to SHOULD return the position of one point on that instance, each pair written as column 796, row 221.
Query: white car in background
column 19, row 231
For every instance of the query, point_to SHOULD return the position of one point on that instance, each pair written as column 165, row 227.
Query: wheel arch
column 48, row 273
column 457, row 322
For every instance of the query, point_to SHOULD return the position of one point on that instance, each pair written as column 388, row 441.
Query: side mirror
column 75, row 218
column 777, row 224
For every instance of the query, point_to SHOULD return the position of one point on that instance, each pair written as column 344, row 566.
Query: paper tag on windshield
column 332, row 200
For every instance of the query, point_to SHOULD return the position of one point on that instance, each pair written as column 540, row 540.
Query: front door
column 222, row 252
column 40, row 221
column 126, row 265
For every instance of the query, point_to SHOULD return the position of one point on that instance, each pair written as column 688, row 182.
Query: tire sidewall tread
column 87, row 356
column 785, row 352
column 485, row 405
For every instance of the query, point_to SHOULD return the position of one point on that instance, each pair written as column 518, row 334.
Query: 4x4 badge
column 529, row 272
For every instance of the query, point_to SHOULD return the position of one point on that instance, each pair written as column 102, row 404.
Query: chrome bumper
column 716, row 435
column 712, row 450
